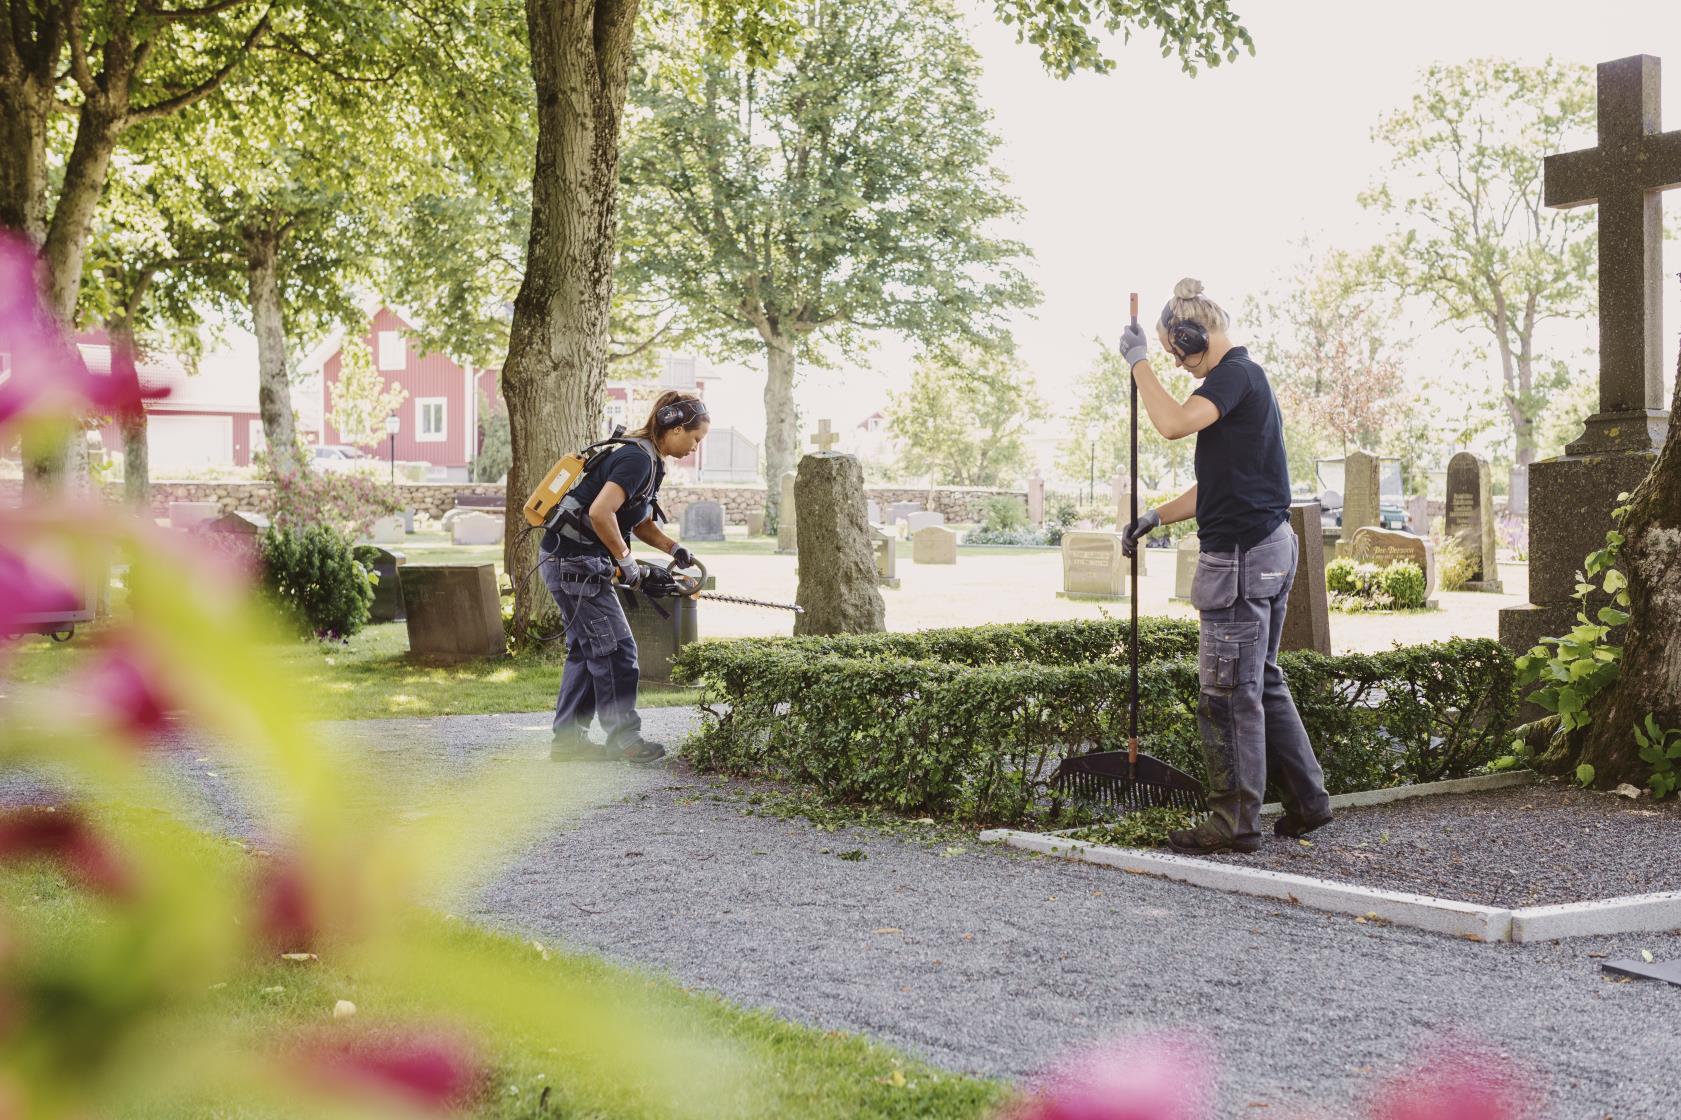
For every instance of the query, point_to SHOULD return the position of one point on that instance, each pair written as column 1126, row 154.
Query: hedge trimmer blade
column 716, row 598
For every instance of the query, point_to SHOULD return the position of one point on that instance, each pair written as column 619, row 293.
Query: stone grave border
column 1646, row 913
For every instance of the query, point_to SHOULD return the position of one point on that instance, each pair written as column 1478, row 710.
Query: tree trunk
column 782, row 433
column 84, row 183
column 268, row 321
column 556, row 372
column 23, row 159
column 1650, row 680
column 137, row 469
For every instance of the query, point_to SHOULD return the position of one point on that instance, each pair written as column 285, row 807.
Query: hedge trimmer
column 661, row 581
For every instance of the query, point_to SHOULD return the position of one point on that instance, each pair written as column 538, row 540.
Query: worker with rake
column 1241, row 500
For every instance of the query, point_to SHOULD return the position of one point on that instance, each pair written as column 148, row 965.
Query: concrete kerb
column 1439, row 915
column 1647, row 913
column 1476, row 783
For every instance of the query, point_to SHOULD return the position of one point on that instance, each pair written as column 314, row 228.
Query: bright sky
column 1133, row 179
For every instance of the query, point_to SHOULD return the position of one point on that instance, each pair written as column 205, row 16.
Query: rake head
column 1127, row 780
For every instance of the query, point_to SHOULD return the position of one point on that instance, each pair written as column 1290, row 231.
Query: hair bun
column 1187, row 288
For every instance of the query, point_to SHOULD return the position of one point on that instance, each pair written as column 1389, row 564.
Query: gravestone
column 474, row 528
column 388, row 591
column 886, row 547
column 825, row 438
column 756, row 523
column 1093, row 565
column 837, row 586
column 1361, row 498
column 1384, row 547
column 899, row 511
column 1470, row 519
column 454, row 613
column 1036, row 501
column 917, row 522
column 1571, row 497
column 190, row 515
column 1418, row 514
column 934, row 544
column 388, row 530
column 237, row 534
column 788, row 525
column 1185, row 570
column 659, row 636
column 872, row 512
column 703, row 521
column 1307, row 613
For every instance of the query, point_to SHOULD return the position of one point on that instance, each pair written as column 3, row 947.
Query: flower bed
column 969, row 723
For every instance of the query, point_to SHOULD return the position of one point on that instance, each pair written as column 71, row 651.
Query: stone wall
column 435, row 499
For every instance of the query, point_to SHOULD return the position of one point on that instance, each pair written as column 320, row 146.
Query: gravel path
column 992, row 961
column 1520, row 846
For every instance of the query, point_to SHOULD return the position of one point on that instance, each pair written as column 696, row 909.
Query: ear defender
column 1188, row 338
column 681, row 414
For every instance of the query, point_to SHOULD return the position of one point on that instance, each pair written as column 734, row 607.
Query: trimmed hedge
column 971, row 723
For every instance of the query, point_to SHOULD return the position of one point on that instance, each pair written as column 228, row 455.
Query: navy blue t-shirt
column 628, row 465
column 1243, row 479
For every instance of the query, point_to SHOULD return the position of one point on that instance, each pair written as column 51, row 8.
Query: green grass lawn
column 537, row 1069
column 371, row 677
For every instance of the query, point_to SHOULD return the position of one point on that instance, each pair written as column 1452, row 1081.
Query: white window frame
column 421, row 404
column 393, row 352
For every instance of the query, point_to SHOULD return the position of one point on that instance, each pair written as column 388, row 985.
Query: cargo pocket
column 1228, row 654
column 598, row 638
column 1267, row 568
column 1215, row 584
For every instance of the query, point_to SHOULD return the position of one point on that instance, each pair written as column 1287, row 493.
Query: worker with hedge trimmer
column 1241, row 500
column 585, row 558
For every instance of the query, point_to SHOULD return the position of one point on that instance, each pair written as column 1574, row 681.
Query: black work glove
column 1138, row 530
column 682, row 558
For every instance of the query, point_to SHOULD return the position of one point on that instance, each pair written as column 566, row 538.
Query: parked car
column 330, row 451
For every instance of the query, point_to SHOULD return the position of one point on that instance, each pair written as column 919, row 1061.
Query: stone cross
column 1634, row 161
column 825, row 439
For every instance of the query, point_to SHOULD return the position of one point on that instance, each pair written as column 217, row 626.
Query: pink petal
column 64, row 837
column 26, row 590
column 1463, row 1082
column 433, row 1072
column 1144, row 1078
column 125, row 689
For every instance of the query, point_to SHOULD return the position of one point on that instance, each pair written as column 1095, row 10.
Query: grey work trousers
column 1250, row 727
column 602, row 670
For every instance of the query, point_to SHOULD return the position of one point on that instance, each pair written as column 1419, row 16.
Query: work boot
column 642, row 752
column 1292, row 826
column 574, row 746
column 1205, row 839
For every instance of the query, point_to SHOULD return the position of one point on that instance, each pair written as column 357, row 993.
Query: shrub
column 1454, row 563
column 1404, row 583
column 1024, row 537
column 1340, row 576
column 312, row 575
column 1001, row 513
column 344, row 500
column 972, row 723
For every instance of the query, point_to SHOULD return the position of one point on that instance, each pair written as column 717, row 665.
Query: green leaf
column 1611, row 616
column 1615, row 581
column 1585, row 774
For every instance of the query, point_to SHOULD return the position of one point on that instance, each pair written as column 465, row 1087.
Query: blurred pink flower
column 124, row 689
column 41, row 372
column 1143, row 1078
column 64, row 837
column 26, row 590
column 286, row 910
column 1458, row 1081
column 429, row 1071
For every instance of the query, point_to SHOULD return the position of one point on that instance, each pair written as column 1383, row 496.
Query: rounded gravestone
column 837, row 562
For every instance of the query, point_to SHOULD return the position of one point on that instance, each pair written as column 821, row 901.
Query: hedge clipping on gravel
column 969, row 723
